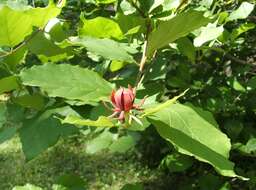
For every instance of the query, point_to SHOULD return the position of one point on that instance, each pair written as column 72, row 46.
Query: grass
column 101, row 171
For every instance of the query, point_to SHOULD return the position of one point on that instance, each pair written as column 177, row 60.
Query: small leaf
column 100, row 27
column 242, row 12
column 208, row 33
column 175, row 28
column 102, row 121
column 8, row 84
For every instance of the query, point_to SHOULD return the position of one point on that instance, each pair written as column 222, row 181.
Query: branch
column 132, row 3
column 22, row 44
column 144, row 56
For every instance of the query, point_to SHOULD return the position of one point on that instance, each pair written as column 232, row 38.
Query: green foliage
column 171, row 30
column 70, row 82
column 194, row 136
column 58, row 62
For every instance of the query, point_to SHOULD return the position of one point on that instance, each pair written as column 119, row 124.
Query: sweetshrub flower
column 123, row 102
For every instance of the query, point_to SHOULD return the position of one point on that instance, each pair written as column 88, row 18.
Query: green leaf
column 177, row 162
column 6, row 133
column 102, row 121
column 101, row 142
column 122, row 144
column 73, row 182
column 42, row 45
column 116, row 65
column 17, row 24
column 15, row 58
column 8, row 84
column 3, row 110
column 107, row 48
column 159, row 107
column 100, row 27
column 242, row 12
column 136, row 186
column 208, row 33
column 187, row 48
column 194, row 136
column 35, row 101
column 42, row 132
column 241, row 29
column 105, row 1
column 175, row 28
column 67, row 81
column 27, row 187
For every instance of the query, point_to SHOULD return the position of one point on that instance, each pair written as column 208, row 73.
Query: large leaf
column 100, row 27
column 16, row 24
column 70, row 82
column 173, row 29
column 42, row 132
column 193, row 135
column 106, row 48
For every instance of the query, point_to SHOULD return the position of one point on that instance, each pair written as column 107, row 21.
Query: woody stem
column 144, row 56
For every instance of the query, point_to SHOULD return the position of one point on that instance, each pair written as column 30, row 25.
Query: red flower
column 123, row 102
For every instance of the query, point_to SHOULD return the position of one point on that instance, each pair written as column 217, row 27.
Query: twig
column 144, row 57
column 22, row 44
column 137, row 8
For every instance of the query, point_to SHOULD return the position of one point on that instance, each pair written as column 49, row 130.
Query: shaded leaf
column 8, row 84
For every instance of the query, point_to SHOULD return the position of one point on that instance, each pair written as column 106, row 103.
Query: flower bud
column 123, row 99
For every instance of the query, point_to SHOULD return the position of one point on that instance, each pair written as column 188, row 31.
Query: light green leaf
column 105, row 1
column 208, row 33
column 241, row 29
column 116, row 65
column 159, row 107
column 242, row 12
column 106, row 48
column 102, row 121
column 100, row 27
column 194, row 136
column 175, row 28
column 17, row 24
column 27, row 187
column 8, row 83
column 67, row 81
